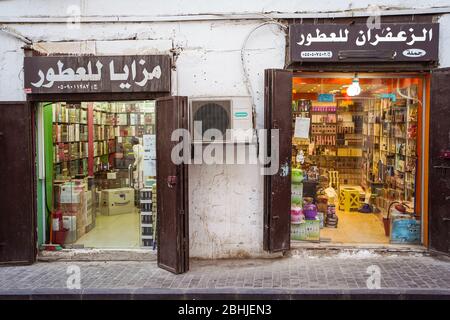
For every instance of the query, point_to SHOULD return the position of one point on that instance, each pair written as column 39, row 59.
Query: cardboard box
column 71, row 191
column 117, row 201
column 70, row 223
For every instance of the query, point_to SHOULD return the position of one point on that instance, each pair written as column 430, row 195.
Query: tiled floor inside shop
column 122, row 231
column 356, row 227
column 117, row 231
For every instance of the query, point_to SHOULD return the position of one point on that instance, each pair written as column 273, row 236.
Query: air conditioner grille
column 213, row 115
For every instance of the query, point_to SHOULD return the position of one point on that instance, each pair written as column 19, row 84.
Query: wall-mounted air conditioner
column 229, row 116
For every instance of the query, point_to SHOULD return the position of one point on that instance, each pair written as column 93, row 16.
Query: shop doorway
column 355, row 157
column 99, row 163
column 108, row 172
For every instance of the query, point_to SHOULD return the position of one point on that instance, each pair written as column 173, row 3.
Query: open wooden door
column 439, row 165
column 172, row 187
column 17, row 191
column 277, row 187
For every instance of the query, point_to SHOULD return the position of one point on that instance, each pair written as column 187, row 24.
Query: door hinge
column 181, row 211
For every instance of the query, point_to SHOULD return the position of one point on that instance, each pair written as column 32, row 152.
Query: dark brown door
column 172, row 187
column 277, row 186
column 17, row 214
column 439, row 173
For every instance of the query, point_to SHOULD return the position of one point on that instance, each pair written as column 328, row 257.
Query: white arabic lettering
column 67, row 75
column 322, row 37
column 85, row 74
column 365, row 37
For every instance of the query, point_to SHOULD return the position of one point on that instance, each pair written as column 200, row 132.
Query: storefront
column 357, row 112
column 95, row 135
column 357, row 127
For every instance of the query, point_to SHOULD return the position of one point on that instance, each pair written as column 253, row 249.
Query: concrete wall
column 226, row 213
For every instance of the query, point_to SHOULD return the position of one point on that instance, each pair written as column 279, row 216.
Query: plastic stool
column 349, row 199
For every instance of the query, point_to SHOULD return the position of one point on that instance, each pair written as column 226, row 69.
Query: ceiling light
column 354, row 89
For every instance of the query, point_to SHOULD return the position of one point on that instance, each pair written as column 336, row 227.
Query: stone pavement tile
column 412, row 273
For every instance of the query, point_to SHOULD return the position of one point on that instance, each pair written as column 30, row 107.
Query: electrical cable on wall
column 15, row 34
column 247, row 81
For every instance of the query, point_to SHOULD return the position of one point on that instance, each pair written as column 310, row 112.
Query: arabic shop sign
column 69, row 74
column 357, row 43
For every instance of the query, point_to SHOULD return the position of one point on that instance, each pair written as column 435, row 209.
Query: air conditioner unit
column 231, row 117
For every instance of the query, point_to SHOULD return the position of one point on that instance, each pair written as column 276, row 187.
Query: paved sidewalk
column 308, row 275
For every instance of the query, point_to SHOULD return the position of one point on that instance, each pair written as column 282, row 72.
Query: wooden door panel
column 17, row 200
column 277, row 187
column 172, row 188
column 439, row 166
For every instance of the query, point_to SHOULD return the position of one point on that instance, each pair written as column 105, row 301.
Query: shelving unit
column 398, row 148
column 336, row 131
column 146, row 218
column 70, row 145
column 113, row 125
column 354, row 136
column 300, row 108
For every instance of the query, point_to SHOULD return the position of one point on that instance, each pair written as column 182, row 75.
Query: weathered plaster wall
column 59, row 8
column 226, row 214
column 226, row 200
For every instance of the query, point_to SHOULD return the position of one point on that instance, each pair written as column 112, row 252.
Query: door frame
column 324, row 71
column 34, row 99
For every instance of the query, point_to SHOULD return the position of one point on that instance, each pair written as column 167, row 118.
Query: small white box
column 111, row 175
column 69, row 195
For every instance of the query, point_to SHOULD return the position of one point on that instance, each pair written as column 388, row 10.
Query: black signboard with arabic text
column 415, row 42
column 89, row 74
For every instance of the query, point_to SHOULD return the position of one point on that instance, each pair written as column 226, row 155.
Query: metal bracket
column 172, row 181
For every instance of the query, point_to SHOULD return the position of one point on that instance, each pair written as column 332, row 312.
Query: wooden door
column 172, row 187
column 439, row 165
column 277, row 187
column 17, row 184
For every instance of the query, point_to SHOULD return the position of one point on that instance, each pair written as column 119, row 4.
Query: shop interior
column 100, row 174
column 356, row 158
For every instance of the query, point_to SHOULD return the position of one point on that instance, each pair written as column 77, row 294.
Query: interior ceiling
column 335, row 85
column 332, row 88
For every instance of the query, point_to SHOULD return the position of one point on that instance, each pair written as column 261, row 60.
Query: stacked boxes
column 146, row 221
column 124, row 152
column 75, row 202
column 90, row 216
column 111, row 179
column 154, row 211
